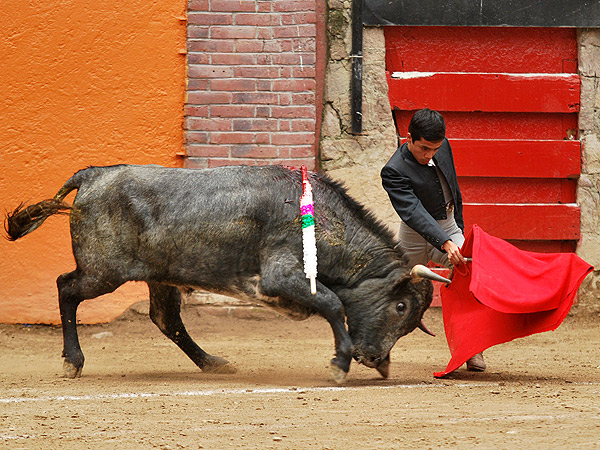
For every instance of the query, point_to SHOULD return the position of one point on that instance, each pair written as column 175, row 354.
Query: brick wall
column 253, row 82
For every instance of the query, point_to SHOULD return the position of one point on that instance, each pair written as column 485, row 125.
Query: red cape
column 505, row 293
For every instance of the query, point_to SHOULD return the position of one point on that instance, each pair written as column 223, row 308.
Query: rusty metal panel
column 547, row 13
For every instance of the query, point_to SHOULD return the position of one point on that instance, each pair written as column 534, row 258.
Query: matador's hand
column 453, row 251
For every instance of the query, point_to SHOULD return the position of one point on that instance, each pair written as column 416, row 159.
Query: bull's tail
column 24, row 219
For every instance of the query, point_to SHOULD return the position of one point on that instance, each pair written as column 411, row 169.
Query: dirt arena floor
column 139, row 391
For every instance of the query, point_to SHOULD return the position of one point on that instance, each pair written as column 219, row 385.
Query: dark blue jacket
column 416, row 192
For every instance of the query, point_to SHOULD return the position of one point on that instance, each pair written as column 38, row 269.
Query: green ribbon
column 307, row 220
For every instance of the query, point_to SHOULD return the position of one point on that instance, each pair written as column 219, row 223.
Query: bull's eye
column 401, row 307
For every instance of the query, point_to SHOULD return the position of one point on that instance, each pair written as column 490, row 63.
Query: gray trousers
column 419, row 251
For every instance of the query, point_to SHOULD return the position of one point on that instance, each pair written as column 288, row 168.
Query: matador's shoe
column 476, row 363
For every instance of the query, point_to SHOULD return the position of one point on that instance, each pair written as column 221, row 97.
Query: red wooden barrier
column 498, row 125
column 493, row 92
column 525, row 222
column 517, row 190
column 481, row 49
column 510, row 98
column 517, row 158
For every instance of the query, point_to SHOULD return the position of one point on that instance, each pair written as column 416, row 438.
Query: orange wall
column 82, row 82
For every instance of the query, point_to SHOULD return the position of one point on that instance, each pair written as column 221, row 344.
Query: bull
column 234, row 231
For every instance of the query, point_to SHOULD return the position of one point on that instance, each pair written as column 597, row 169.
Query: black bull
column 234, row 231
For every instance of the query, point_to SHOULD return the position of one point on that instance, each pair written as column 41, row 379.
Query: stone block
column 590, row 154
column 336, row 153
column 339, row 32
column 589, row 248
column 330, row 126
column 337, row 84
column 590, row 104
column 336, row 4
column 589, row 53
column 588, row 198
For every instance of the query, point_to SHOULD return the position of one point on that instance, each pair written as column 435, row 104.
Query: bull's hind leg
column 165, row 308
column 73, row 288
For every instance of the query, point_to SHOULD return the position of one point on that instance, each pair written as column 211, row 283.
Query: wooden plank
column 517, row 190
column 480, row 49
column 490, row 92
column 498, row 125
column 546, row 246
column 511, row 158
column 437, row 297
column 525, row 222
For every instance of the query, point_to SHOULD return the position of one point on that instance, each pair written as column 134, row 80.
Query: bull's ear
column 401, row 283
column 420, row 272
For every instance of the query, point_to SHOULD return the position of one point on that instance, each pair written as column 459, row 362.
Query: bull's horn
column 419, row 272
column 424, row 328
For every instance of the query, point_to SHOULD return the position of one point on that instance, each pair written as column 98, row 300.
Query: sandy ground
column 139, row 391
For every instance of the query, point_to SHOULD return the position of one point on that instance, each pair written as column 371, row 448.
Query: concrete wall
column 88, row 82
column 588, row 194
column 357, row 160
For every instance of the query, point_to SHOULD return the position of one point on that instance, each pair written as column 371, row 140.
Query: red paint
column 517, row 169
column 525, row 222
column 487, row 125
column 490, row 92
column 481, row 49
column 320, row 67
column 517, row 190
column 506, row 158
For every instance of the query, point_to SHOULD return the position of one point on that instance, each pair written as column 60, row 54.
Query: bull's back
column 150, row 222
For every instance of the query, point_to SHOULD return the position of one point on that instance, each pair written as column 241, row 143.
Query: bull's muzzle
column 367, row 358
column 371, row 362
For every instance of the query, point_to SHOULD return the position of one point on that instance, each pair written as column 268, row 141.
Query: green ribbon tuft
column 307, row 220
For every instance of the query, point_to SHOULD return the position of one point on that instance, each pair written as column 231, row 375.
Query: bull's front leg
column 282, row 276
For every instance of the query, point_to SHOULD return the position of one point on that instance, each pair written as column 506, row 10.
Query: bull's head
column 387, row 312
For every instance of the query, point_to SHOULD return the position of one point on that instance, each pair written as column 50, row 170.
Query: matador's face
column 423, row 150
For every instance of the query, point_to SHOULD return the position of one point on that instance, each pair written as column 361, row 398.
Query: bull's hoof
column 384, row 368
column 337, row 373
column 70, row 370
column 215, row 364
